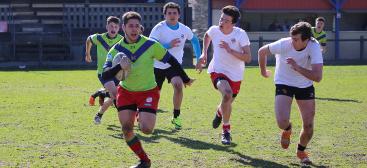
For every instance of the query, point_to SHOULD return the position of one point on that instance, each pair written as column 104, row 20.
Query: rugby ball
column 126, row 64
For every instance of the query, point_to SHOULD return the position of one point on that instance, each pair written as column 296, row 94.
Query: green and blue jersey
column 142, row 54
column 104, row 44
column 320, row 37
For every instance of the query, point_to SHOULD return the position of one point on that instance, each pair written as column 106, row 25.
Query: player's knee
column 283, row 123
column 178, row 86
column 227, row 96
column 127, row 129
column 146, row 130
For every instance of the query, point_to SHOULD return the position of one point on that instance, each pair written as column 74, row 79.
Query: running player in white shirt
column 298, row 63
column 231, row 50
column 173, row 35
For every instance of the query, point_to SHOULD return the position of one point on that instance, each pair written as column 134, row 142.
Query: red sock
column 136, row 146
column 226, row 127
column 219, row 113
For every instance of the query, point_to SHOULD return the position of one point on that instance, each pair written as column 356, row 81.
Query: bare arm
column 204, row 53
column 244, row 55
column 262, row 57
column 315, row 74
column 88, row 46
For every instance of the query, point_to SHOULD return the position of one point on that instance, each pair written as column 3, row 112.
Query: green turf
column 45, row 121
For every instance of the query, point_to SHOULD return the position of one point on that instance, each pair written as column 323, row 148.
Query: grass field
column 45, row 121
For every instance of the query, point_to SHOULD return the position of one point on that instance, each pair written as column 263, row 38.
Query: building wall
column 355, row 4
column 200, row 16
column 286, row 4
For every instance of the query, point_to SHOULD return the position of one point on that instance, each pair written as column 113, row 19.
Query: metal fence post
column 40, row 49
column 361, row 51
column 261, row 41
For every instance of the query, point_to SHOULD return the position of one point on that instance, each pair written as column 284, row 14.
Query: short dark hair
column 320, row 19
column 171, row 5
column 232, row 11
column 302, row 28
column 113, row 19
column 130, row 15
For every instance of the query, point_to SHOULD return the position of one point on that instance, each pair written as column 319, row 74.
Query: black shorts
column 162, row 74
column 307, row 93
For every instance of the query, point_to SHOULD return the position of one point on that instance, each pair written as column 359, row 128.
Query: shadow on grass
column 117, row 129
column 157, row 134
column 243, row 159
column 201, row 145
column 162, row 111
column 339, row 100
column 307, row 165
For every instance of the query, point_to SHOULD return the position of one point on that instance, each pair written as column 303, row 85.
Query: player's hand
column 125, row 63
column 292, row 63
column 225, row 46
column 323, row 50
column 175, row 42
column 189, row 83
column 199, row 65
column 266, row 73
column 88, row 58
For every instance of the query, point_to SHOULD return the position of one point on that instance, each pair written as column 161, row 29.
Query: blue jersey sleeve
column 196, row 47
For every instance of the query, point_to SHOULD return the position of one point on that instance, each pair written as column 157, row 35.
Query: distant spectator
column 275, row 26
column 3, row 26
column 286, row 26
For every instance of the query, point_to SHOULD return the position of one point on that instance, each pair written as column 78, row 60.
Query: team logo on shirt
column 182, row 36
column 133, row 57
column 312, row 95
column 109, row 57
column 233, row 40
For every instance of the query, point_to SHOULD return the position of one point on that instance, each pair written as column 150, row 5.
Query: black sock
column 289, row 127
column 99, row 114
column 301, row 148
column 107, row 94
column 96, row 94
column 176, row 113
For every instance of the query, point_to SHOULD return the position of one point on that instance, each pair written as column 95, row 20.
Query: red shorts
column 235, row 86
column 146, row 101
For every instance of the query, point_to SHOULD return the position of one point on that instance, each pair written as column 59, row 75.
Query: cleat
column 142, row 164
column 303, row 156
column 91, row 101
column 177, row 122
column 285, row 138
column 216, row 121
column 226, row 138
column 97, row 119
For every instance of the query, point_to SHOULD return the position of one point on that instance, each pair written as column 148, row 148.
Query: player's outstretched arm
column 262, row 57
column 204, row 54
column 88, row 46
column 178, row 68
column 196, row 47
